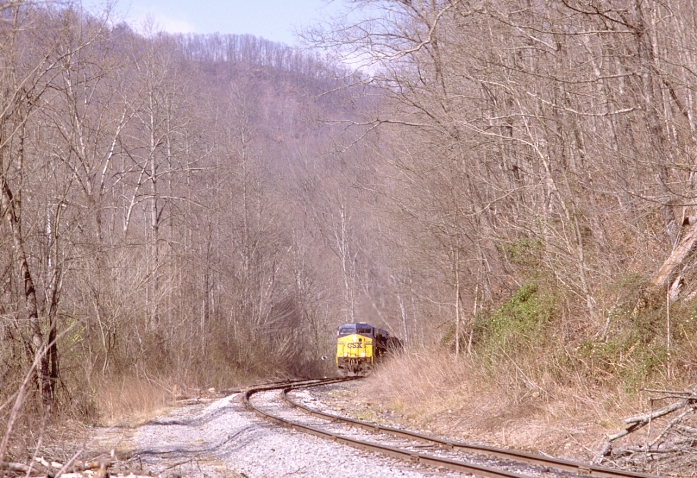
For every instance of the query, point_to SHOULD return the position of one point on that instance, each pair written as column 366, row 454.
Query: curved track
column 481, row 461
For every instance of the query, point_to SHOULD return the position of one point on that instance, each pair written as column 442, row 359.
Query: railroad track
column 481, row 461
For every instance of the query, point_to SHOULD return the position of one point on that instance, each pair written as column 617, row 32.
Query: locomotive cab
column 355, row 348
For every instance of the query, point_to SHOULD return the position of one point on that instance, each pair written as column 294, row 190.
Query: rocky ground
column 533, row 429
column 220, row 438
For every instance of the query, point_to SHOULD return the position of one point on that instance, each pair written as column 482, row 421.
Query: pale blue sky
column 272, row 19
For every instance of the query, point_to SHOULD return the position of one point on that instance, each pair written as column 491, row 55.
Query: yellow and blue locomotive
column 359, row 347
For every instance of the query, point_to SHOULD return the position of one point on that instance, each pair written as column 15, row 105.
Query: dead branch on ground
column 671, row 434
column 41, row 467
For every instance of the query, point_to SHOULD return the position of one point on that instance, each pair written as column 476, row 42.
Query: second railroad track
column 275, row 403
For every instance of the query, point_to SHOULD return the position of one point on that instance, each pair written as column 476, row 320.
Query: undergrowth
column 536, row 377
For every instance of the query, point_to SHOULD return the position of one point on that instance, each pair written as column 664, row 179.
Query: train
column 360, row 346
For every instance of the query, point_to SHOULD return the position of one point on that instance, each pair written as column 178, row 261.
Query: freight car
column 360, row 346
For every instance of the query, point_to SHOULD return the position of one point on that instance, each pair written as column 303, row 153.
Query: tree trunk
column 13, row 220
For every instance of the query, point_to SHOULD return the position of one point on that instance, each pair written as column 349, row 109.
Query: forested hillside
column 506, row 180
column 154, row 194
column 539, row 163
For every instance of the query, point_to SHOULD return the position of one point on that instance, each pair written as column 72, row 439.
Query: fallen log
column 41, row 468
column 669, row 267
column 642, row 420
column 101, row 465
column 687, row 402
column 19, row 467
column 26, row 469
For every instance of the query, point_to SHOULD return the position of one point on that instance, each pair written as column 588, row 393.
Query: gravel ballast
column 223, row 439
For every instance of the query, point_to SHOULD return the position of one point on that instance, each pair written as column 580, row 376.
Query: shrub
column 521, row 321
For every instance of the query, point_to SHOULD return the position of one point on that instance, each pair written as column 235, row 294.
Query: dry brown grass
column 511, row 404
column 132, row 399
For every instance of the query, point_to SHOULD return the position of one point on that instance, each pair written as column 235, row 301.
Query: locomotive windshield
column 360, row 329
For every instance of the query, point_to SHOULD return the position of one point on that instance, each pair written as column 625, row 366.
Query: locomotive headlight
column 345, row 354
column 362, row 354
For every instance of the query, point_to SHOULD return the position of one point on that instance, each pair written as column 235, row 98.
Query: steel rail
column 478, row 470
column 279, row 383
column 483, row 471
column 513, row 455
